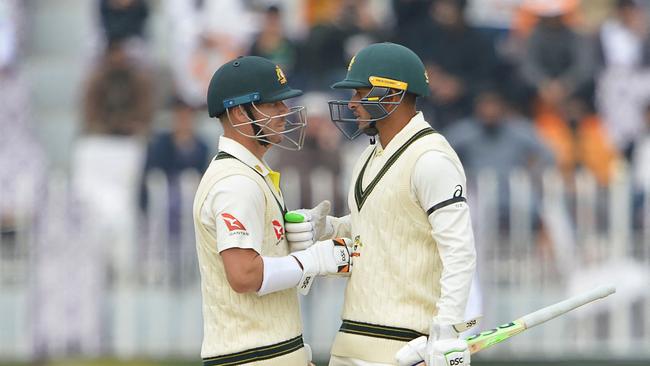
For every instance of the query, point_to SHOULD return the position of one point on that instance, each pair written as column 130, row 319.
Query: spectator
column 557, row 61
column 622, row 39
column 272, row 43
column 412, row 20
column 336, row 27
column 494, row 140
column 174, row 153
column 622, row 88
column 529, row 14
column 577, row 137
column 22, row 161
column 123, row 19
column 199, row 44
column 450, row 55
column 118, row 99
column 108, row 157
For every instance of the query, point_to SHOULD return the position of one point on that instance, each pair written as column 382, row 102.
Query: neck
column 393, row 124
column 249, row 143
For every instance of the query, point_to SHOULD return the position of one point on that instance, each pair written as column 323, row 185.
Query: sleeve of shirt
column 235, row 208
column 439, row 186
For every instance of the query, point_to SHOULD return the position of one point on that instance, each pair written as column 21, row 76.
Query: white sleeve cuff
column 280, row 273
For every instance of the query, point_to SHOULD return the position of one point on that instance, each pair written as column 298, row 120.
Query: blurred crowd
column 515, row 84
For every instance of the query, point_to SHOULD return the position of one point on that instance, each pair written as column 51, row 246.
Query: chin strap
column 372, row 131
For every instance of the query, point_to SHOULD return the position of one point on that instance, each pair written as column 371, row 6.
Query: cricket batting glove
column 327, row 257
column 441, row 348
column 303, row 227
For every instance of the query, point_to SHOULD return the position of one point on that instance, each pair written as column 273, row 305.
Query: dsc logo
column 456, row 361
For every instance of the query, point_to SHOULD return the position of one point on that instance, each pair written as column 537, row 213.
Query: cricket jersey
column 238, row 204
column 397, row 271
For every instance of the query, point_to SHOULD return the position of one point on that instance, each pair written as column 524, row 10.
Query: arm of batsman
column 305, row 226
column 441, row 348
column 327, row 257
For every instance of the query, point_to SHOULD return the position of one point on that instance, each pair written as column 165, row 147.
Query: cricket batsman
column 248, row 279
column 413, row 248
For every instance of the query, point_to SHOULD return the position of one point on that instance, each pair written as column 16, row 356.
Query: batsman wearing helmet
column 248, row 279
column 414, row 255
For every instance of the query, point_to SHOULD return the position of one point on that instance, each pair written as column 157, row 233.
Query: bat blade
column 499, row 334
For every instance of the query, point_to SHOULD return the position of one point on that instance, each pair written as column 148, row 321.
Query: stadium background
column 104, row 135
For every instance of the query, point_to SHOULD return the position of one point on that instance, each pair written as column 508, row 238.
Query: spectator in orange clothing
column 530, row 11
column 578, row 138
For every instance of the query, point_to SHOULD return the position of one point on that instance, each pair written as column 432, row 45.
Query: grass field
column 113, row 362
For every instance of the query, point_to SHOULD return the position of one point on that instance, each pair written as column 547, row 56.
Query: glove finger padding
column 300, row 236
column 303, row 226
column 299, row 227
column 412, row 353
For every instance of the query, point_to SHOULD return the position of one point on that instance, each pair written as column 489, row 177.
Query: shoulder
column 436, row 163
column 237, row 184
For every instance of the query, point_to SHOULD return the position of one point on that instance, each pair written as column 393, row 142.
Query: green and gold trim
column 360, row 195
column 379, row 331
column 256, row 354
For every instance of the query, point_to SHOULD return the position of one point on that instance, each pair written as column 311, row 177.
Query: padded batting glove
column 328, row 257
column 441, row 348
column 304, row 226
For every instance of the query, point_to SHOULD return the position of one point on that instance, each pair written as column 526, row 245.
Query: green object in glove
column 293, row 216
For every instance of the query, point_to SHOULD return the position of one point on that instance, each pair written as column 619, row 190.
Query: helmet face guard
column 291, row 133
column 374, row 103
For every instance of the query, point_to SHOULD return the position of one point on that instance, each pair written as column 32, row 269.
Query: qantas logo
column 232, row 223
column 279, row 230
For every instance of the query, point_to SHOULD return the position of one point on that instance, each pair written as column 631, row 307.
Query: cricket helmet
column 388, row 69
column 248, row 81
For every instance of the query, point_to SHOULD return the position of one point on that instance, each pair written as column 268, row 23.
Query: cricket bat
column 499, row 334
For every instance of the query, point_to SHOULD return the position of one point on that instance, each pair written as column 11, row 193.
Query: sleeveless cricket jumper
column 391, row 296
column 245, row 328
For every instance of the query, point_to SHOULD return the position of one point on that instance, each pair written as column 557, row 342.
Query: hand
column 441, row 348
column 323, row 258
column 303, row 227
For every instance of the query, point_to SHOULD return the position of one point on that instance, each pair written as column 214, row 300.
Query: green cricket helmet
column 388, row 69
column 247, row 82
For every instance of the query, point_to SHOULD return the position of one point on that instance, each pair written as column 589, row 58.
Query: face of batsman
column 252, row 92
column 273, row 124
column 379, row 76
